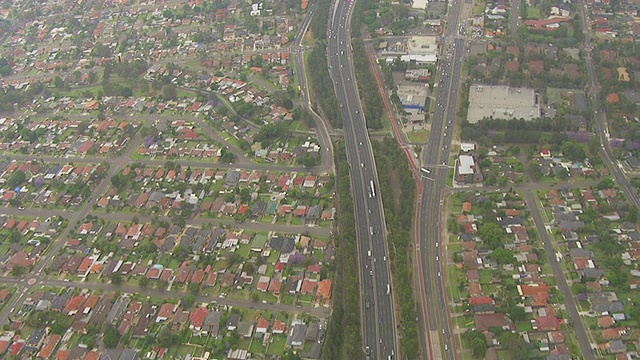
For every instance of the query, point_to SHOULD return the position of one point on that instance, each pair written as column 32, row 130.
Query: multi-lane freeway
column 433, row 317
column 378, row 317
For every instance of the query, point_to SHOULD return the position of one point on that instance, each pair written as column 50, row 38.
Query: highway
column 378, row 317
column 321, row 129
column 433, row 311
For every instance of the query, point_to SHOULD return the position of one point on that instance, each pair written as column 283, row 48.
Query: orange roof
column 92, row 301
column 613, row 98
column 324, row 289
column 92, row 355
column 62, row 354
column 46, row 350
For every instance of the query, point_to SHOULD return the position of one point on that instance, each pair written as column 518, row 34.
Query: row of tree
column 367, row 86
column 343, row 339
column 321, row 84
column 398, row 191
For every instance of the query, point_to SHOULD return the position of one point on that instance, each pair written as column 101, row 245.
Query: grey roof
column 119, row 354
column 297, row 335
column 231, row 178
column 312, row 331
column 169, row 243
column 617, row 346
column 34, row 340
column 58, row 302
column 276, row 242
column 515, row 220
column 571, row 225
column 288, row 245
column 314, row 212
column 233, row 320
column 592, row 274
column 212, row 322
column 214, row 238
column 118, row 309
column 612, row 307
column 581, row 253
column 258, row 208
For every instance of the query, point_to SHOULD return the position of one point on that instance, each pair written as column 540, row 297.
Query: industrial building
column 468, row 170
column 501, row 102
column 420, row 50
column 412, row 97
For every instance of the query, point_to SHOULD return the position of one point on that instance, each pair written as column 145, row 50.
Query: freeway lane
column 434, row 320
column 321, row 129
column 378, row 317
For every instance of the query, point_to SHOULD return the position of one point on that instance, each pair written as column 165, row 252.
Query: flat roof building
column 419, row 4
column 467, row 170
column 501, row 102
column 412, row 96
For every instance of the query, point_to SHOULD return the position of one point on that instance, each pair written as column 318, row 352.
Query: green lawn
column 418, row 136
column 244, row 250
column 287, row 299
column 276, row 347
column 256, row 346
column 533, row 12
column 523, row 326
column 485, row 276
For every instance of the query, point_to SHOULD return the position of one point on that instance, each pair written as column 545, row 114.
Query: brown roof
column 485, row 322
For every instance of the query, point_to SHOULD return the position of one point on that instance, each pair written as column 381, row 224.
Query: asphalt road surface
column 378, row 317
column 434, row 315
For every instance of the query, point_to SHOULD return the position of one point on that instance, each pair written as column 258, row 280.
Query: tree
column 58, row 82
column 573, row 151
column 5, row 70
column 169, row 92
column 143, row 282
column 14, row 236
column 167, row 338
column 193, row 288
column 111, row 336
column 18, row 270
column 116, row 278
column 119, row 181
column 515, row 345
column 478, row 343
column 16, row 179
column 502, row 256
column 187, row 301
column 126, row 91
column 491, row 234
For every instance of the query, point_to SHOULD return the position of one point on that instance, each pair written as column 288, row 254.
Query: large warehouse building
column 501, row 102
